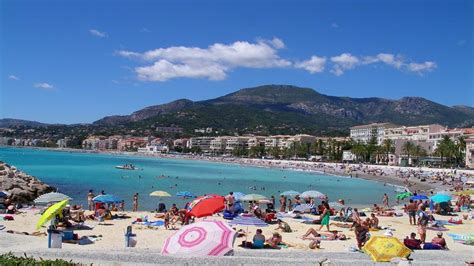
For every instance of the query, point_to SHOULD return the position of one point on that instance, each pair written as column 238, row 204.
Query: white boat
column 126, row 167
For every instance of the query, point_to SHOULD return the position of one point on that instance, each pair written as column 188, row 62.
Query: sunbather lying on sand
column 334, row 235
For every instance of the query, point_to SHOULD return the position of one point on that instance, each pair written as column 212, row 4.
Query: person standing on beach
column 135, row 202
column 229, row 199
column 90, row 202
column 422, row 223
column 282, row 203
column 325, row 215
column 385, row 200
column 411, row 209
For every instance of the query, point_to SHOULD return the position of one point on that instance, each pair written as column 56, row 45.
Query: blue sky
column 77, row 61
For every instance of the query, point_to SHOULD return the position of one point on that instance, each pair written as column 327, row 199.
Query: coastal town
column 391, row 144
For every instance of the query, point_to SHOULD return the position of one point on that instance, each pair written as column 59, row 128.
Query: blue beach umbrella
column 248, row 221
column 3, row 194
column 440, row 198
column 185, row 194
column 290, row 193
column 107, row 198
column 419, row 197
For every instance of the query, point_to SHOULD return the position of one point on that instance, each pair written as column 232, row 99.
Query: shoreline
column 336, row 169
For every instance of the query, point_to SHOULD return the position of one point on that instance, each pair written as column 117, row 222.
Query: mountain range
column 289, row 109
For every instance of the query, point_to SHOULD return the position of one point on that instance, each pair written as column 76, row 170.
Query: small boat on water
column 126, row 167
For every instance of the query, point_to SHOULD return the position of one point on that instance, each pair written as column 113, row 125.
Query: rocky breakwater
column 23, row 188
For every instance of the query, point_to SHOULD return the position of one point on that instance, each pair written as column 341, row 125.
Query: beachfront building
column 470, row 150
column 100, row 143
column 181, row 143
column 169, row 129
column 453, row 134
column 235, row 143
column 204, row 143
column 256, row 141
column 131, row 144
column 413, row 133
column 218, row 145
column 154, row 149
column 276, row 141
column 62, row 143
column 364, row 133
column 300, row 139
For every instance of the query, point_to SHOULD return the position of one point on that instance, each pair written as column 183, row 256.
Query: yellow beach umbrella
column 51, row 212
column 382, row 248
column 160, row 194
column 465, row 192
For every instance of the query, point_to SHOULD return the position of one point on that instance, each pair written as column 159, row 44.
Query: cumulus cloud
column 13, row 77
column 217, row 60
column 313, row 65
column 420, row 68
column 213, row 62
column 343, row 62
column 97, row 33
column 43, row 86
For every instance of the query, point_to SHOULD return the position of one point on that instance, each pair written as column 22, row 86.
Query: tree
column 387, row 148
column 407, row 149
column 360, row 151
column 460, row 150
column 446, row 149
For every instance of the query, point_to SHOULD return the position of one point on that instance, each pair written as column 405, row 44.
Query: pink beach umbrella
column 203, row 238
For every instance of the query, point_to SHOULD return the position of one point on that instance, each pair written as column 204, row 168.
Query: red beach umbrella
column 205, row 206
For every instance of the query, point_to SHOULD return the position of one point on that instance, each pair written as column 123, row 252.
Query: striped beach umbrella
column 203, row 238
column 51, row 197
column 303, row 207
column 248, row 221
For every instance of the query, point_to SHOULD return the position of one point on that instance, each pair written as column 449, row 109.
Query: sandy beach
column 110, row 236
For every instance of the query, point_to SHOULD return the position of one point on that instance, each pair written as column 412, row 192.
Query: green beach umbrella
column 253, row 197
column 404, row 195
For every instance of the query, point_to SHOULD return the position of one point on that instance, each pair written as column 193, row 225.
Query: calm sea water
column 75, row 173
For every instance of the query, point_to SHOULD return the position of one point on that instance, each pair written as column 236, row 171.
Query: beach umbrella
column 419, row 197
column 51, row 213
column 107, row 199
column 264, row 201
column 313, row 194
column 440, row 198
column 444, row 192
column 206, row 206
column 185, row 194
column 404, row 195
column 336, row 205
column 238, row 196
column 290, row 193
column 159, row 193
column 51, row 197
column 203, row 238
column 4, row 194
column 252, row 197
column 465, row 192
column 248, row 220
column 382, row 248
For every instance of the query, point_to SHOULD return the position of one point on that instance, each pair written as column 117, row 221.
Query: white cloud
column 13, row 77
column 420, row 68
column 343, row 62
column 43, row 86
column 217, row 60
column 213, row 62
column 314, row 65
column 335, row 25
column 145, row 30
column 97, row 33
column 461, row 42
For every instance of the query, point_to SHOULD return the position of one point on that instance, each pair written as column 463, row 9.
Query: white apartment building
column 453, row 134
column 236, row 142
column 154, row 148
column 413, row 133
column 202, row 142
column 364, row 133
column 218, row 145
column 256, row 141
column 276, row 141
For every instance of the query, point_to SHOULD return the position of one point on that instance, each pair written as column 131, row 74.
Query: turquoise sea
column 75, row 173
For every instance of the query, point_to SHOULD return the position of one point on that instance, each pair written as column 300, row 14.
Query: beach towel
column 461, row 238
column 150, row 223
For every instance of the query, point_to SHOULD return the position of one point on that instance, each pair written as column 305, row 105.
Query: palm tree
column 407, row 149
column 387, row 146
column 359, row 150
column 446, row 149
